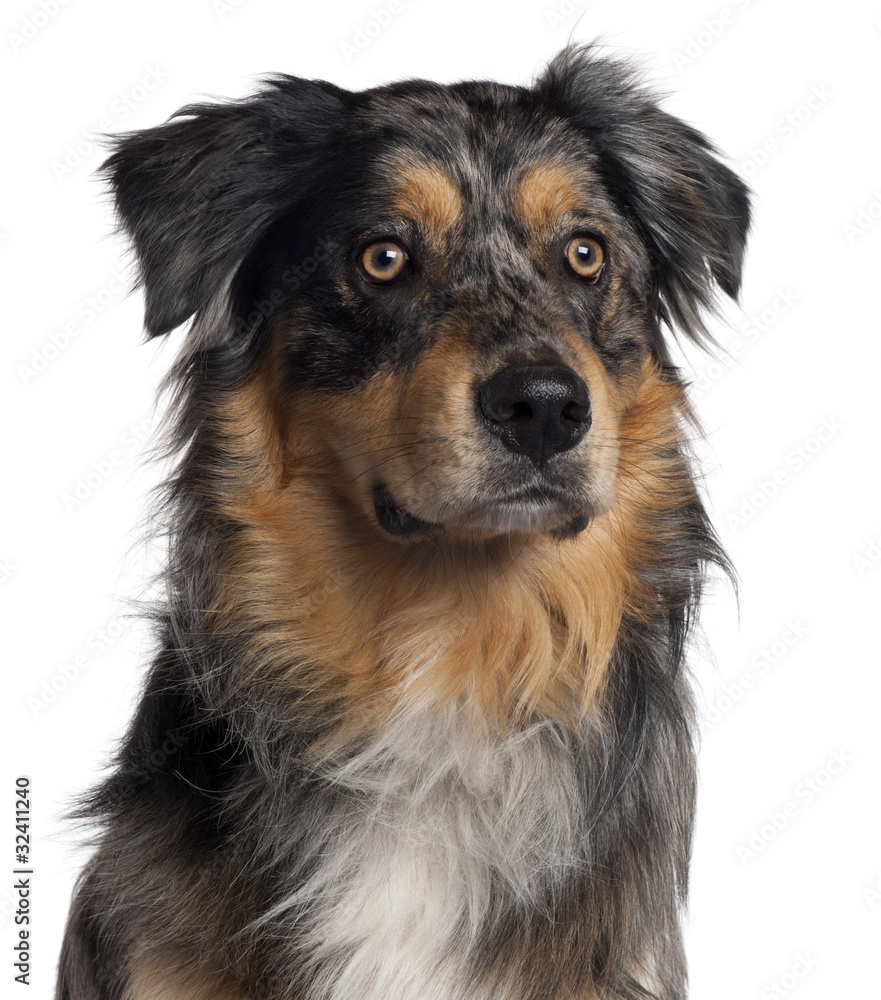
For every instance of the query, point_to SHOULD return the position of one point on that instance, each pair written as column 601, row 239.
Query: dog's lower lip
column 535, row 494
column 575, row 526
column 391, row 515
column 396, row 520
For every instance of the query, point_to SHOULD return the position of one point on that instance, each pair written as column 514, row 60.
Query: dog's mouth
column 534, row 509
column 393, row 518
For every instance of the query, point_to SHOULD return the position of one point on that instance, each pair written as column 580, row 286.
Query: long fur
column 457, row 764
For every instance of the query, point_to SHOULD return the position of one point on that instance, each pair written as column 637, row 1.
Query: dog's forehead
column 451, row 153
column 535, row 191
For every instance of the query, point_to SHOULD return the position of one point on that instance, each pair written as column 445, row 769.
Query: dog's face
column 476, row 326
column 450, row 293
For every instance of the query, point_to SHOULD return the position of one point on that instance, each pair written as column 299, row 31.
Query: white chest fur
column 439, row 817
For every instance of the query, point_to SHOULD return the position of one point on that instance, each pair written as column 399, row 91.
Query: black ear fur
column 196, row 193
column 691, row 211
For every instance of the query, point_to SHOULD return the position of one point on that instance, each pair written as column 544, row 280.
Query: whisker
column 382, row 461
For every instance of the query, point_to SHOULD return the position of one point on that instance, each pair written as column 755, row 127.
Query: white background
column 786, row 896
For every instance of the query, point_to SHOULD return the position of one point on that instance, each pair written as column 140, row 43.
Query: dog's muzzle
column 534, row 410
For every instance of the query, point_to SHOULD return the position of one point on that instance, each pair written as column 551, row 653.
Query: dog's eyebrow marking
column 428, row 195
column 545, row 192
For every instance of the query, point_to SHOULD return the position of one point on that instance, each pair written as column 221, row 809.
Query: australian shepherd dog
column 418, row 726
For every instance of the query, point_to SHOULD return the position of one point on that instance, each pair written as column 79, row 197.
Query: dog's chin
column 548, row 515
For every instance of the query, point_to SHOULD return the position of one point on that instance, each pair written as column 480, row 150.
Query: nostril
column 575, row 412
column 521, row 412
column 501, row 406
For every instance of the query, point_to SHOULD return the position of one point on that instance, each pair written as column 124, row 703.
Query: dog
column 419, row 725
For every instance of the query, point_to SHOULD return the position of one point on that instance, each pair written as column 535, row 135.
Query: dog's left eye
column 382, row 262
column 586, row 258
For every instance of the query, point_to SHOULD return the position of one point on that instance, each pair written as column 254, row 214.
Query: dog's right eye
column 382, row 262
column 585, row 256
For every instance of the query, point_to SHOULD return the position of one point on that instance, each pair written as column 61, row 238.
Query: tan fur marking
column 651, row 479
column 427, row 194
column 167, row 980
column 545, row 192
column 249, row 422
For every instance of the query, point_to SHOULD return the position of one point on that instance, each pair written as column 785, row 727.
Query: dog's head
column 447, row 297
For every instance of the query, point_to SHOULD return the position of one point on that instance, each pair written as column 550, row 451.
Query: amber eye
column 382, row 262
column 585, row 257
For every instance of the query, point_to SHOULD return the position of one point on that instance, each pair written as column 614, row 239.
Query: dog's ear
column 690, row 210
column 196, row 193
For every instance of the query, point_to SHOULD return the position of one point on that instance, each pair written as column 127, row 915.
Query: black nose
column 537, row 410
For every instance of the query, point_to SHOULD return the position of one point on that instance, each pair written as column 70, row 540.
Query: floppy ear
column 196, row 193
column 690, row 210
